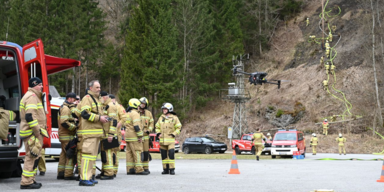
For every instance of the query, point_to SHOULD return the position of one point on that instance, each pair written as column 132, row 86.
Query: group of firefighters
column 92, row 123
column 315, row 140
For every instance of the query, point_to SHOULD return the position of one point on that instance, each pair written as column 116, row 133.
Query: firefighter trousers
column 116, row 163
column 168, row 156
column 41, row 166
column 314, row 149
column 89, row 151
column 107, row 159
column 341, row 149
column 146, row 152
column 30, row 163
column 258, row 149
column 65, row 164
column 133, row 152
column 325, row 131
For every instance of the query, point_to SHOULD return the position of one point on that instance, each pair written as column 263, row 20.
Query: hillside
column 293, row 58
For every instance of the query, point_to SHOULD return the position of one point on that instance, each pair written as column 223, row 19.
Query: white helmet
column 168, row 106
column 340, row 135
column 314, row 134
column 325, row 120
column 268, row 134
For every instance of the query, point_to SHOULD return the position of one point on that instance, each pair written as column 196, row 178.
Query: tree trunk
column 73, row 80
column 110, row 85
column 380, row 118
column 259, row 7
column 79, row 81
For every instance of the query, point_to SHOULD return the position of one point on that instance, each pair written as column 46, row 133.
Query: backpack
column 5, row 117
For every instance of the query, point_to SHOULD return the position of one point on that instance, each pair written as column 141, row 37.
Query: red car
column 156, row 145
column 245, row 144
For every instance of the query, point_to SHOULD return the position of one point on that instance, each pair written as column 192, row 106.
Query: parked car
column 156, row 145
column 205, row 145
column 287, row 142
column 245, row 144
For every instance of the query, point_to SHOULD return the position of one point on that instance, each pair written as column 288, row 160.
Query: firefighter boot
column 147, row 170
column 166, row 170
column 257, row 158
column 60, row 175
column 42, row 173
column 172, row 171
column 70, row 178
column 104, row 177
column 93, row 180
column 131, row 172
column 142, row 173
column 99, row 175
column 86, row 183
column 31, row 186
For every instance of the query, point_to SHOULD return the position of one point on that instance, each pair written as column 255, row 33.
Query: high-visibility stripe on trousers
column 88, row 158
column 133, row 153
column 30, row 163
column 168, row 155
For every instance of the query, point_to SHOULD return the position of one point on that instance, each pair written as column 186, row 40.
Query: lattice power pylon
column 238, row 95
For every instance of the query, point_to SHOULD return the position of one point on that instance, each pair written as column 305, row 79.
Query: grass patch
column 279, row 113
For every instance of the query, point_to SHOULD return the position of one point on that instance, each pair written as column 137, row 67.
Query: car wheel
column 208, row 150
column 186, row 150
column 221, row 151
column 238, row 152
column 273, row 156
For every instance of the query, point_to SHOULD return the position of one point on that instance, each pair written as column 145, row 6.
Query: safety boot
column 70, row 178
column 142, row 173
column 93, row 180
column 131, row 171
column 98, row 176
column 42, row 173
column 257, row 158
column 86, row 183
column 172, row 171
column 78, row 178
column 166, row 171
column 60, row 175
column 147, row 170
column 31, row 186
column 104, row 177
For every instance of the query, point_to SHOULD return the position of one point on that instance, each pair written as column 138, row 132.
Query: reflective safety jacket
column 5, row 117
column 32, row 115
column 269, row 138
column 67, row 125
column 325, row 124
column 314, row 141
column 147, row 122
column 111, row 110
column 258, row 138
column 169, row 127
column 121, row 118
column 133, row 126
column 341, row 141
column 91, row 110
column 77, row 112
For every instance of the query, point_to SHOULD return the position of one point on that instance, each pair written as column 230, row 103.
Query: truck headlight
column 293, row 145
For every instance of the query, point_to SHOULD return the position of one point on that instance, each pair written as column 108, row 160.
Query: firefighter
column 107, row 157
column 67, row 130
column 333, row 69
column 334, row 28
column 134, row 139
column 322, row 60
column 269, row 137
column 79, row 136
column 327, row 48
column 325, row 84
column 91, row 131
column 167, row 128
column 330, row 36
column 327, row 68
column 148, row 124
column 121, row 118
column 307, row 21
column 325, row 127
column 32, row 130
column 258, row 143
column 341, row 140
column 314, row 142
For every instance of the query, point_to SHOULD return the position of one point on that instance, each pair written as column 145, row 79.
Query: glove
column 35, row 146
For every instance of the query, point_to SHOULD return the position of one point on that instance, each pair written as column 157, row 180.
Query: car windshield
column 285, row 137
column 208, row 139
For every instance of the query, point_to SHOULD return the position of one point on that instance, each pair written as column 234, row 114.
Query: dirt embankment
column 296, row 60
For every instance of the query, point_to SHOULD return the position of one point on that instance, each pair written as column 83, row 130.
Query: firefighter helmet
column 144, row 100
column 134, row 103
column 168, row 106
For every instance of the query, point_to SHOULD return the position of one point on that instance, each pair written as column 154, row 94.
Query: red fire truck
column 245, row 144
column 17, row 65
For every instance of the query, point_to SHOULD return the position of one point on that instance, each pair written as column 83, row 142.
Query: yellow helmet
column 134, row 103
column 144, row 100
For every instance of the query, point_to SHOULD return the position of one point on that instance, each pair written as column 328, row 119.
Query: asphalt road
column 279, row 175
